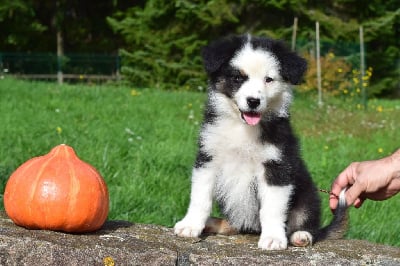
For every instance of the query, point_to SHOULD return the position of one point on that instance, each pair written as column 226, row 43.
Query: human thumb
column 353, row 193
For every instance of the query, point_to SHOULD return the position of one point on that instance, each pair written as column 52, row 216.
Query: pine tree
column 163, row 38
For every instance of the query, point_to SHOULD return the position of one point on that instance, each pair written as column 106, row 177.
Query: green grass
column 144, row 145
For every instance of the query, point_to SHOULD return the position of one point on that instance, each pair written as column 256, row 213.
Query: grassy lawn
column 144, row 141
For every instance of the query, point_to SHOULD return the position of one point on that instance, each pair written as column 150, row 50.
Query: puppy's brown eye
column 268, row 80
column 239, row 77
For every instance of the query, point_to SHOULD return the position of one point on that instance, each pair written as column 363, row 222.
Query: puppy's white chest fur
column 238, row 157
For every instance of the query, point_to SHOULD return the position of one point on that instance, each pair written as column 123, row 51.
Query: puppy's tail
column 338, row 225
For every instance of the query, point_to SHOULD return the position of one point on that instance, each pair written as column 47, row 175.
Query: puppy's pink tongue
column 252, row 118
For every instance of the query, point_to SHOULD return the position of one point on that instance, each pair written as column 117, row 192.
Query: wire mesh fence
column 69, row 66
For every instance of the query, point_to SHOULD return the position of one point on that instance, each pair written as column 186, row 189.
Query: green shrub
column 338, row 78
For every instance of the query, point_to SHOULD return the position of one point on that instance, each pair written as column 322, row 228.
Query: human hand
column 376, row 180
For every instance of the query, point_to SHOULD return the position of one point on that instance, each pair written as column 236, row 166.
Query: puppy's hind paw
column 301, row 239
column 185, row 228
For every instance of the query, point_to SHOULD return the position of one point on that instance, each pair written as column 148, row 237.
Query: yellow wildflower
column 380, row 150
column 135, row 92
column 108, row 261
column 379, row 109
column 59, row 130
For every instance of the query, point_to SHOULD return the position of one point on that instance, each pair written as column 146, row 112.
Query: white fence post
column 318, row 65
column 294, row 33
column 362, row 68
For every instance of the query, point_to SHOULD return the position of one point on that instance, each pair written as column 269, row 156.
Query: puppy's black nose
column 253, row 103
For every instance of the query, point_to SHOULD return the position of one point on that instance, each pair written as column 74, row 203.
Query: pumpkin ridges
column 85, row 213
column 102, row 215
column 103, row 187
column 102, row 207
column 48, row 214
column 73, row 191
column 37, row 195
column 68, row 193
column 11, row 187
column 74, row 165
column 92, row 213
column 28, row 191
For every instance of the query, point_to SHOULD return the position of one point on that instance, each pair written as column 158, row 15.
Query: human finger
column 358, row 202
column 344, row 179
column 333, row 202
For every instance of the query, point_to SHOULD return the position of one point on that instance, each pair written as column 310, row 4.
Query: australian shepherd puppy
column 248, row 158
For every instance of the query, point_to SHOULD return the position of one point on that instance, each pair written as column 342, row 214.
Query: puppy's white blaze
column 256, row 63
column 273, row 215
column 253, row 88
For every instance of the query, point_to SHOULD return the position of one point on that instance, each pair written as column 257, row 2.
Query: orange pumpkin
column 57, row 191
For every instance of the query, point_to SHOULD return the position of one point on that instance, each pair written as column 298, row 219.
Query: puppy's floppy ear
column 220, row 52
column 292, row 65
column 293, row 68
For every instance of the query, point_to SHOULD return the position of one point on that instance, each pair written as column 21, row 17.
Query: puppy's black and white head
column 256, row 74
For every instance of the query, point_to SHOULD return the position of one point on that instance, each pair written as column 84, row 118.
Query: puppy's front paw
column 272, row 242
column 301, row 239
column 188, row 228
